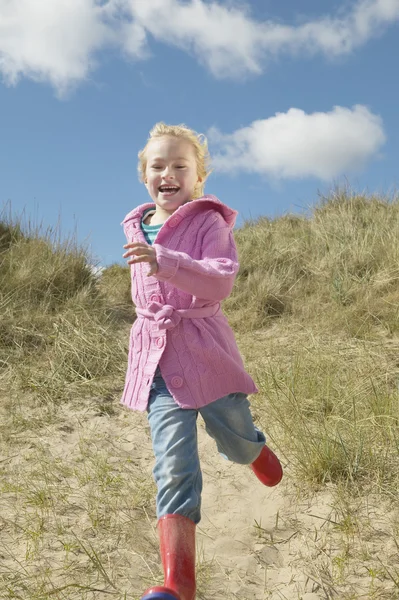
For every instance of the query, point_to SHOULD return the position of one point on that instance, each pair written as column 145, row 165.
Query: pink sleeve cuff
column 168, row 263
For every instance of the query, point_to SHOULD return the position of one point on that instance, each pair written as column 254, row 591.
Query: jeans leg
column 177, row 471
column 229, row 422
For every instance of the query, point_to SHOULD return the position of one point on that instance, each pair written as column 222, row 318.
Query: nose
column 167, row 173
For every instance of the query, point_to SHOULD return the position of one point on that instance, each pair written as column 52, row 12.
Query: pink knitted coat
column 180, row 324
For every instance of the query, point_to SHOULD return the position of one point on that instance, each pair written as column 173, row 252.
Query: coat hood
column 190, row 208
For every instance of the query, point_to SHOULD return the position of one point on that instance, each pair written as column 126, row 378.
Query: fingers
column 153, row 263
column 136, row 252
column 140, row 251
column 141, row 258
column 141, row 255
column 137, row 259
column 147, row 257
column 135, row 249
column 136, row 245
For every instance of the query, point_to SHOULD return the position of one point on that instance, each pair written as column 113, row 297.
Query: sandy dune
column 253, row 542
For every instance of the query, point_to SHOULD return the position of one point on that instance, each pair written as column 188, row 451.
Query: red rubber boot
column 267, row 468
column 177, row 544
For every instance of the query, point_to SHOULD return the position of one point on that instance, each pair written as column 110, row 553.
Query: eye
column 156, row 167
column 180, row 166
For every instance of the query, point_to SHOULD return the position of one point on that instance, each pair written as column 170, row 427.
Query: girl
column 183, row 358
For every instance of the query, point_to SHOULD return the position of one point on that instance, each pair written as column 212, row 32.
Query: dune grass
column 336, row 269
column 316, row 311
column 57, row 321
column 331, row 376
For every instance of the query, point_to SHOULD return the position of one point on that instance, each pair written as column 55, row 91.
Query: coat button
column 177, row 382
column 155, row 298
column 160, row 342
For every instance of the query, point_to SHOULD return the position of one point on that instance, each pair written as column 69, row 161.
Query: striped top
column 150, row 231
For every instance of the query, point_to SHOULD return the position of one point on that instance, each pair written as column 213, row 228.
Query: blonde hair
column 199, row 143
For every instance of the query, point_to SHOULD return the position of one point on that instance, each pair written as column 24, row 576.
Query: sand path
column 253, row 542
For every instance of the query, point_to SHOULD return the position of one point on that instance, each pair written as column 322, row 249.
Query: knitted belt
column 167, row 317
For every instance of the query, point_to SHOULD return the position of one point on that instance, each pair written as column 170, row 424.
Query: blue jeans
column 177, row 470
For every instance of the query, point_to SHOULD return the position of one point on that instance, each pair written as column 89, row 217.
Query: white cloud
column 224, row 39
column 296, row 145
column 57, row 41
column 49, row 40
column 338, row 36
column 231, row 43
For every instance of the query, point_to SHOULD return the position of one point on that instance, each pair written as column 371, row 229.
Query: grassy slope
column 316, row 311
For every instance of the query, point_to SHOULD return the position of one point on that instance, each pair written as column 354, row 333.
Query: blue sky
column 293, row 102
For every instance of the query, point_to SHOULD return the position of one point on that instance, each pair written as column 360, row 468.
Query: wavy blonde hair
column 199, row 143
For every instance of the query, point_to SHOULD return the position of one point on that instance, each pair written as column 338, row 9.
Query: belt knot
column 164, row 314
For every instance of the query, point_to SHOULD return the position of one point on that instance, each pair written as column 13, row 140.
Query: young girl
column 183, row 358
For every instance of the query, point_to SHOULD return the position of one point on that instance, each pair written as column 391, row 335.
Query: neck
column 160, row 216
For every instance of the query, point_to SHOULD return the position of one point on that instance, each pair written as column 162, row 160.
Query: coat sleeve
column 212, row 277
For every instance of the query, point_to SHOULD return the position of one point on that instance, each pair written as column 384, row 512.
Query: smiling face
column 171, row 173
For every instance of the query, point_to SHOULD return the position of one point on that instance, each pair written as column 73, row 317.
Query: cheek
column 152, row 181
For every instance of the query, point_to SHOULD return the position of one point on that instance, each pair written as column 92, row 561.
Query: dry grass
column 336, row 269
column 334, row 405
column 316, row 308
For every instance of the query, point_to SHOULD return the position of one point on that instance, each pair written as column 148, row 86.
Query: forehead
column 170, row 148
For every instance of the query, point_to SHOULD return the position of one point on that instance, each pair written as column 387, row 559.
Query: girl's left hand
column 142, row 253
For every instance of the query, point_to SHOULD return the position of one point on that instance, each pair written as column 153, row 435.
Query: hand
column 142, row 253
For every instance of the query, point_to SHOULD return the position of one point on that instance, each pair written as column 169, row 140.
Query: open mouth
column 168, row 190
